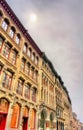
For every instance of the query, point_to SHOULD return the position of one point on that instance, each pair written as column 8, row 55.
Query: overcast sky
column 58, row 32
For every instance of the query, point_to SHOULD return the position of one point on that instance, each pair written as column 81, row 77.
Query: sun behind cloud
column 33, row 18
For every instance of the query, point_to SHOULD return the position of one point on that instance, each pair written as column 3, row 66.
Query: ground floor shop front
column 16, row 114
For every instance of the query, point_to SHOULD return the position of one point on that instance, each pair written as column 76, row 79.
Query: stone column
column 9, row 116
column 21, row 118
column 29, row 119
column 37, row 120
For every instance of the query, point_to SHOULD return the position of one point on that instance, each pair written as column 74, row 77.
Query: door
column 25, row 123
column 2, row 121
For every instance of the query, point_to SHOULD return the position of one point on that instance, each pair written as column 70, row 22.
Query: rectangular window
column 7, row 80
column 36, row 76
column 6, row 50
column 27, row 69
column 13, row 57
column 19, row 87
column 23, row 65
column 34, row 95
column 32, row 72
column 27, row 91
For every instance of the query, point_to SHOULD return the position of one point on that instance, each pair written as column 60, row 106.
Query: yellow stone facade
column 32, row 94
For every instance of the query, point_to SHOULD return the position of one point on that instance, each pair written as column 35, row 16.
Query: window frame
column 19, row 89
column 6, row 50
column 7, row 80
column 5, row 24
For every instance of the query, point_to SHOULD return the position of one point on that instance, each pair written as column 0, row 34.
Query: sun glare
column 33, row 17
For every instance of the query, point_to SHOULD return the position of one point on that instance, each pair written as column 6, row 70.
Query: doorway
column 25, row 123
column 2, row 121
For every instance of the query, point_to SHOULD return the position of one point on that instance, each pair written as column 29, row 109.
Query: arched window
column 1, row 14
column 18, row 37
column 26, row 112
column 51, row 119
column 33, row 57
column 36, row 75
column 36, row 60
column 5, row 24
column 29, row 52
column 25, row 48
column 32, row 119
column 15, row 116
column 43, row 117
column 12, row 32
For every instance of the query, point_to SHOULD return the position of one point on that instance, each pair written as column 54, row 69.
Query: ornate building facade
column 32, row 94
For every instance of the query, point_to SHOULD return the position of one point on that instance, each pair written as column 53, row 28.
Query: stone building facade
column 32, row 94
